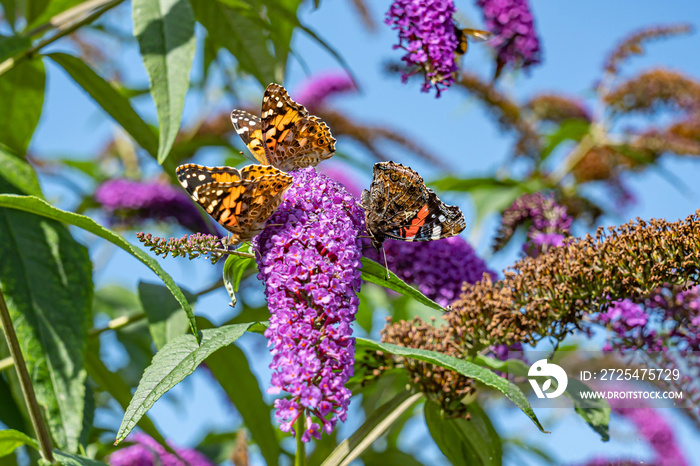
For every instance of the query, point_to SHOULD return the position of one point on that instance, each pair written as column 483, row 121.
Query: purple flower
column 314, row 92
column 129, row 202
column 516, row 41
column 438, row 268
column 310, row 263
column 427, row 34
column 549, row 223
column 147, row 452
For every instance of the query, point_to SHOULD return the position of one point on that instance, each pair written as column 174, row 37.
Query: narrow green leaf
column 466, row 368
column 34, row 8
column 166, row 319
column 596, row 412
column 40, row 207
column 46, row 277
column 376, row 424
column 22, row 97
column 375, row 273
column 234, row 268
column 10, row 440
column 66, row 459
column 51, row 9
column 243, row 33
column 230, row 367
column 18, row 172
column 110, row 99
column 178, row 359
column 474, row 442
column 165, row 32
column 569, row 130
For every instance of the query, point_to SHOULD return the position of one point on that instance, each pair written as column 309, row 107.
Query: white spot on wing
column 437, row 229
column 442, row 218
column 202, row 177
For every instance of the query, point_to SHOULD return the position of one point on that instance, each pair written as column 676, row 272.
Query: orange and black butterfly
column 398, row 205
column 466, row 35
column 285, row 135
column 240, row 200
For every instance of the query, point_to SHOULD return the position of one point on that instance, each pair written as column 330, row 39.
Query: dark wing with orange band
column 240, row 200
column 400, row 206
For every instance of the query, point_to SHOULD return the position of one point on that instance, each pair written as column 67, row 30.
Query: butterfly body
column 285, row 136
column 240, row 200
column 398, row 205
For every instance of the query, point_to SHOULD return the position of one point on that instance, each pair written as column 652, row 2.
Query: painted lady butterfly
column 240, row 200
column 286, row 136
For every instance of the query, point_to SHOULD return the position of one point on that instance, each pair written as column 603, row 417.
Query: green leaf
column 596, row 412
column 46, row 277
column 241, row 30
column 40, row 207
column 110, row 99
column 51, row 9
column 375, row 273
column 10, row 412
column 569, row 130
column 66, row 459
column 376, row 424
column 230, row 367
column 234, row 268
column 165, row 32
column 453, row 183
column 466, row 368
column 474, row 442
column 18, row 172
column 166, row 319
column 178, row 359
column 22, row 97
column 10, row 440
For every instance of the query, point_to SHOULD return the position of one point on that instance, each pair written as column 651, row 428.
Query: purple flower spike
column 129, row 202
column 516, row 41
column 314, row 92
column 427, row 34
column 147, row 452
column 310, row 263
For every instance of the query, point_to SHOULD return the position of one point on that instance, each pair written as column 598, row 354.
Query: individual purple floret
column 147, row 452
column 314, row 92
column 129, row 202
column 438, row 268
column 628, row 322
column 549, row 223
column 309, row 259
column 515, row 40
column 427, row 34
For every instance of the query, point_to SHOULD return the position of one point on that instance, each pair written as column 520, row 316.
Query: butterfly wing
column 241, row 201
column 249, row 128
column 400, row 206
column 292, row 138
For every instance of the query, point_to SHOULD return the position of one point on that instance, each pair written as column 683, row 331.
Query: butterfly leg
column 386, row 266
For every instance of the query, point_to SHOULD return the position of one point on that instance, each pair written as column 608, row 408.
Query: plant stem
column 62, row 31
column 118, row 323
column 66, row 16
column 42, row 433
column 300, row 457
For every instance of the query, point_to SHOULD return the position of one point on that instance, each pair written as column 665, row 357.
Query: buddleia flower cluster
column 145, row 451
column 130, row 202
column 548, row 223
column 309, row 260
column 516, row 41
column 427, row 34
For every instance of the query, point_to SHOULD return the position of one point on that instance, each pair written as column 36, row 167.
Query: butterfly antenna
column 386, row 266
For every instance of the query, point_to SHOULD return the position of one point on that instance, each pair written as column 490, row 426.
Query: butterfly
column 398, row 205
column 476, row 35
column 240, row 200
column 285, row 136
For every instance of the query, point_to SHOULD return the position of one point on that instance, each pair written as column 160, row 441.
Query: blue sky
column 576, row 37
